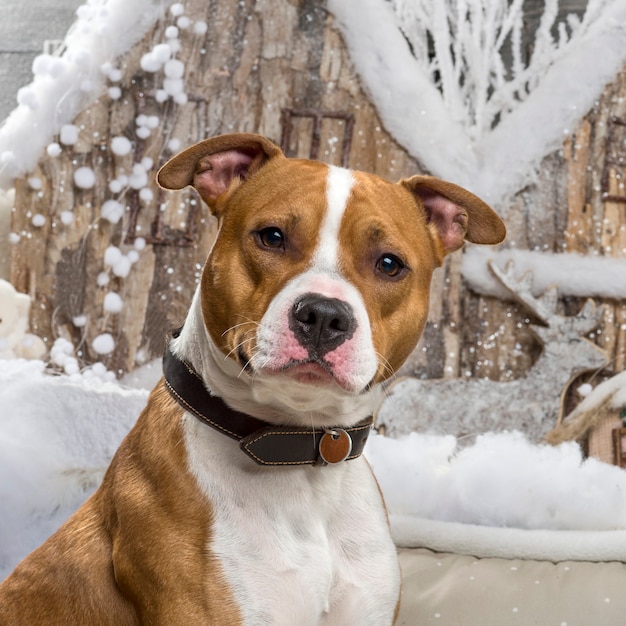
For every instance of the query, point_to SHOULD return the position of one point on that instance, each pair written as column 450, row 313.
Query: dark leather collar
column 265, row 443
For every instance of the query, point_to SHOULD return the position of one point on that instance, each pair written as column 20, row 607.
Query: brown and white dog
column 240, row 496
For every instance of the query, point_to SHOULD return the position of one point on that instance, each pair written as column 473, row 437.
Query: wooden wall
column 257, row 60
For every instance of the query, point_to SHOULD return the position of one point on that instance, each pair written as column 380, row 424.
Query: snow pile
column 502, row 480
column 64, row 85
column 574, row 274
column 57, row 436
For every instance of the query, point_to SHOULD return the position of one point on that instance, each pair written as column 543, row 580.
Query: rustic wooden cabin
column 281, row 69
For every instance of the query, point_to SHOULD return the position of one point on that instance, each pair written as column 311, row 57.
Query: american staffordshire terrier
column 241, row 497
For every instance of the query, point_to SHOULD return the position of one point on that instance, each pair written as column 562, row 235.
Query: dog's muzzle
column 321, row 324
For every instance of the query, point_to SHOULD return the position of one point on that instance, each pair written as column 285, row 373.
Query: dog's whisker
column 240, row 344
column 239, row 325
column 385, row 364
column 248, row 364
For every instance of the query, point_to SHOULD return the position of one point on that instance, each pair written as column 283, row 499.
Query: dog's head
column 320, row 276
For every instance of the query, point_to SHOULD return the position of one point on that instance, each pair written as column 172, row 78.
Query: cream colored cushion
column 447, row 589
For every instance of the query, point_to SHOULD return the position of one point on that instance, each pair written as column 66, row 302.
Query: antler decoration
column 543, row 307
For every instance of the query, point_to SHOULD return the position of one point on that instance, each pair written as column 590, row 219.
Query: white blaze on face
column 353, row 363
column 338, row 187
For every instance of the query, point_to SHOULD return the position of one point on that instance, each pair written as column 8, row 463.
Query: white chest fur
column 305, row 545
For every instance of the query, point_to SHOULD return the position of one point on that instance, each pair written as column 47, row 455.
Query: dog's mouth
column 312, row 371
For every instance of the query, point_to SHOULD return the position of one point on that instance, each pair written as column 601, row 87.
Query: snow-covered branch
column 476, row 53
column 472, row 95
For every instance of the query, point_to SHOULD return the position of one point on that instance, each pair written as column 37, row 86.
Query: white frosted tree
column 474, row 96
column 478, row 54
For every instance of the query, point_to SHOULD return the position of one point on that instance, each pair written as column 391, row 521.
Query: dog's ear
column 457, row 214
column 212, row 165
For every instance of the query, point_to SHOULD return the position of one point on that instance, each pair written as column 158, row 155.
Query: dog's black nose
column 321, row 324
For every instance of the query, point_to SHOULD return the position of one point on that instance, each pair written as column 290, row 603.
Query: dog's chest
column 306, row 546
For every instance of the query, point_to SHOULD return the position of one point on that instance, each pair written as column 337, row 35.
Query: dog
column 241, row 496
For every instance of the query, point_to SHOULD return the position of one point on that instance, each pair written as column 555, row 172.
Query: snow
column 502, row 480
column 200, row 27
column 103, row 344
column 79, row 321
column 113, row 303
column 84, row 178
column 465, row 128
column 103, row 279
column 177, row 9
column 174, row 68
column 154, row 60
column 171, row 32
column 53, row 149
column 121, row 268
column 115, row 93
column 174, row 145
column 62, row 354
column 139, row 177
column 58, row 433
column 469, row 131
column 38, row 220
column 115, row 75
column 574, row 274
column 611, row 391
column 68, row 135
column 146, row 195
column 116, row 185
column 121, row 146
column 112, row 211
column 104, row 30
column 35, row 183
column 143, row 132
column 112, row 255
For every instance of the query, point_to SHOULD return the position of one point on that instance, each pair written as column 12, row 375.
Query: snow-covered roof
column 64, row 85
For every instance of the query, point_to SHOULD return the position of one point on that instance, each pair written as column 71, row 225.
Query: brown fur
column 391, row 209
column 104, row 566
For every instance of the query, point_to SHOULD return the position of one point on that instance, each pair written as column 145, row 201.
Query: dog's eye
column 390, row 265
column 271, row 237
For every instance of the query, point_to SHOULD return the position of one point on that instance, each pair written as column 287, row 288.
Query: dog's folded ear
column 457, row 214
column 212, row 165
